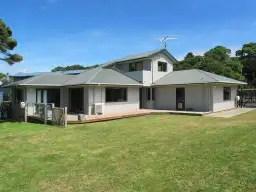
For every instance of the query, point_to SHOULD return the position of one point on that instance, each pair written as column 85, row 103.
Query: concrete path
column 230, row 113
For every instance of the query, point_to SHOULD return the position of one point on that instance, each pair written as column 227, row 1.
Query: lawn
column 150, row 153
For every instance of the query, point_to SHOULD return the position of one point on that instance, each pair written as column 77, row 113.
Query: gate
column 247, row 97
column 59, row 116
column 47, row 112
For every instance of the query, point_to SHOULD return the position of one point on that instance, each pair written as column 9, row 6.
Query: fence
column 5, row 110
column 46, row 112
column 59, row 116
column 248, row 97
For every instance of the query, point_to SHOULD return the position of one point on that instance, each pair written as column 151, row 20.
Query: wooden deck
column 73, row 119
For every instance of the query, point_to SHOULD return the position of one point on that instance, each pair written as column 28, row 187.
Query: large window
column 226, row 93
column 116, row 94
column 162, row 66
column 138, row 66
column 53, row 96
column 153, row 94
column 40, row 96
column 149, row 94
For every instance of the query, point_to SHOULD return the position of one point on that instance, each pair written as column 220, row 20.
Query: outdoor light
column 22, row 105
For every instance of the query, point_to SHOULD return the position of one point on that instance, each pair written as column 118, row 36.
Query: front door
column 180, row 99
column 141, row 98
column 76, row 100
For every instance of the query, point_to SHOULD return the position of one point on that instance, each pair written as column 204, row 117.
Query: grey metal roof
column 194, row 76
column 139, row 56
column 43, row 80
column 101, row 75
column 93, row 76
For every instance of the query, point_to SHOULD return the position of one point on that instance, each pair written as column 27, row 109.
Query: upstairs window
column 138, row 66
column 116, row 94
column 227, row 93
column 162, row 66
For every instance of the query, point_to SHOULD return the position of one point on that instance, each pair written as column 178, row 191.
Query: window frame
column 135, row 66
column 153, row 94
column 226, row 90
column 114, row 96
column 162, row 66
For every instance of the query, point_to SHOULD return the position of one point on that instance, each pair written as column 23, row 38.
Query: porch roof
column 94, row 76
column 104, row 76
column 194, row 76
column 42, row 80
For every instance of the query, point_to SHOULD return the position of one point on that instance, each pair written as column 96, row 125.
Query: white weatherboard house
column 142, row 81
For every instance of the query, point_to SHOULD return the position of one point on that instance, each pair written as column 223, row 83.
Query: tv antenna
column 165, row 39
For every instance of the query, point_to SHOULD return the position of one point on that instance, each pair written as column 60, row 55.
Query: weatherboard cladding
column 193, row 76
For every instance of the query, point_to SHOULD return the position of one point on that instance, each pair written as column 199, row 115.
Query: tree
column 2, row 76
column 7, row 44
column 73, row 67
column 247, row 55
column 216, row 60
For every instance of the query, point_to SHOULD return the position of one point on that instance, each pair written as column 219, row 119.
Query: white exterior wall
column 97, row 95
column 150, row 72
column 218, row 103
column 163, row 58
column 197, row 98
column 165, row 98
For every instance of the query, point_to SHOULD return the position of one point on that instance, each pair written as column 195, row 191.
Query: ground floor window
column 116, row 94
column 153, row 94
column 226, row 93
column 48, row 96
column 18, row 93
column 40, row 96
column 53, row 96
column 149, row 94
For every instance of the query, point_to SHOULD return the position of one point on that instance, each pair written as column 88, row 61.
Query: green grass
column 150, row 153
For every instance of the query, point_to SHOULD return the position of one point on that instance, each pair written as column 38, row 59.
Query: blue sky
column 65, row 32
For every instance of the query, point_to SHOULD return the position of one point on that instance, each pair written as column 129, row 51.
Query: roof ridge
column 97, row 72
column 36, row 77
column 121, row 72
column 174, row 72
column 207, row 74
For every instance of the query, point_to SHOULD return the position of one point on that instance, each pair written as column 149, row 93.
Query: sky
column 54, row 33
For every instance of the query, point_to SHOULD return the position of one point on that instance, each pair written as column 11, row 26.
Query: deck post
column 45, row 114
column 26, row 113
column 65, row 116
